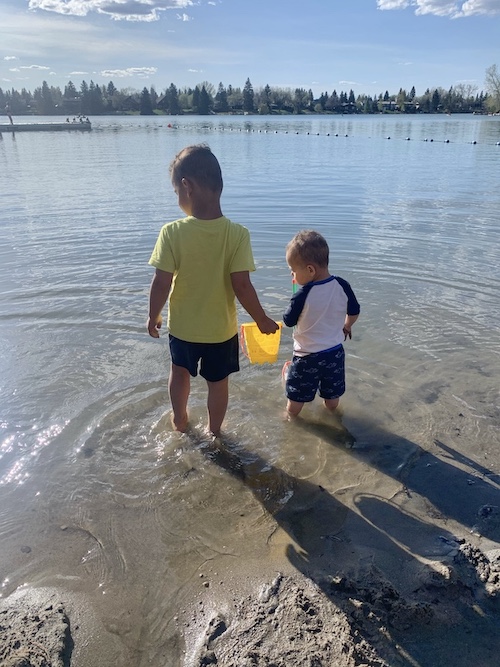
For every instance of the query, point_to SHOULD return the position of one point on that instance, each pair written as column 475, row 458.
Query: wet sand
column 400, row 568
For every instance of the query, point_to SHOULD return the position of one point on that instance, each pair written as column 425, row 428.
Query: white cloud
column 184, row 17
column 451, row 8
column 392, row 4
column 489, row 7
column 141, row 72
column 119, row 10
column 10, row 58
column 33, row 67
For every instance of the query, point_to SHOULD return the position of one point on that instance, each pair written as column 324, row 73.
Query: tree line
column 204, row 99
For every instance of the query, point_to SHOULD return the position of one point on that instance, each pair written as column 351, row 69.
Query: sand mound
column 34, row 634
column 293, row 622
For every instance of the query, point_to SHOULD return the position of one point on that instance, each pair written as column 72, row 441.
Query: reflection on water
column 85, row 442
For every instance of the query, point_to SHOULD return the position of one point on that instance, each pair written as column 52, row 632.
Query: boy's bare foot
column 215, row 434
column 180, row 425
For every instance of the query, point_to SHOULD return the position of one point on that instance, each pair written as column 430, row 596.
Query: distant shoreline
column 279, row 113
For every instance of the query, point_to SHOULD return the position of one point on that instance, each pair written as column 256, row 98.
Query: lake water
column 96, row 493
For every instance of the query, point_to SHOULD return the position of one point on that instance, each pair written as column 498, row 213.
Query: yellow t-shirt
column 202, row 254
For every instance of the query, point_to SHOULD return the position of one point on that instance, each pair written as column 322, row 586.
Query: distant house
column 389, row 105
column 130, row 103
column 349, row 107
column 163, row 103
column 412, row 107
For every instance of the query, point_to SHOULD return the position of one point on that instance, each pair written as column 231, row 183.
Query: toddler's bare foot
column 331, row 404
column 290, row 417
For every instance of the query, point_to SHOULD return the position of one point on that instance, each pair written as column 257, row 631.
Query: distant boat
column 83, row 126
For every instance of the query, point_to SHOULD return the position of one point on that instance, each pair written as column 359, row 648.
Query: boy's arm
column 247, row 296
column 158, row 295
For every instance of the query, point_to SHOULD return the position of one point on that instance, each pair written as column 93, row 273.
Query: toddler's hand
column 347, row 333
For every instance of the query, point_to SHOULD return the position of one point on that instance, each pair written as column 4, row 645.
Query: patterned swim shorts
column 321, row 370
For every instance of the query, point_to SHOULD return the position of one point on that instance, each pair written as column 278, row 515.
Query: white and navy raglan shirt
column 317, row 311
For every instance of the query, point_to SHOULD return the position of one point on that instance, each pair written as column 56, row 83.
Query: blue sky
column 367, row 45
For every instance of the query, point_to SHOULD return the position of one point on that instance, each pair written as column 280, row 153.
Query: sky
column 369, row 46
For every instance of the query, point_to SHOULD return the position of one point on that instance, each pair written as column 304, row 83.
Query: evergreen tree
column 85, row 97
column 267, row 94
column 322, row 100
column 46, row 106
column 248, row 97
column 195, row 103
column 221, row 99
column 96, row 103
column 262, row 100
column 70, row 92
column 435, row 101
column 146, row 106
column 154, row 97
column 204, row 103
column 173, row 98
column 112, row 97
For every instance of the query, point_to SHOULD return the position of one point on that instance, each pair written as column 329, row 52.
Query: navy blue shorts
column 216, row 360
column 321, row 370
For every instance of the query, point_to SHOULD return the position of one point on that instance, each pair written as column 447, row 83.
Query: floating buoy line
column 316, row 134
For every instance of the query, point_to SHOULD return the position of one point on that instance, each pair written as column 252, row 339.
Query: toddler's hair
column 308, row 247
column 199, row 164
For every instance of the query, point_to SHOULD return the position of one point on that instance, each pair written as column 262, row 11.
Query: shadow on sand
column 446, row 612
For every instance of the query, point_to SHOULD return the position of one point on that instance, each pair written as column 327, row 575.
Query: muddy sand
column 407, row 577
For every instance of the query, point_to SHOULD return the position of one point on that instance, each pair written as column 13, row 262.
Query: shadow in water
column 359, row 560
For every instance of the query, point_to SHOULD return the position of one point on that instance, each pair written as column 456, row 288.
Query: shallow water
column 92, row 479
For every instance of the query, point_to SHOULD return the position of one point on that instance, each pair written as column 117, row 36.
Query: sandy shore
column 387, row 576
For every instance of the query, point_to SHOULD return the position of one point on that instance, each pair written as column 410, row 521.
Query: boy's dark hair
column 199, row 164
column 309, row 247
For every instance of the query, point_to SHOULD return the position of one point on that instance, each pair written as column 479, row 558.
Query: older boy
column 322, row 312
column 202, row 261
